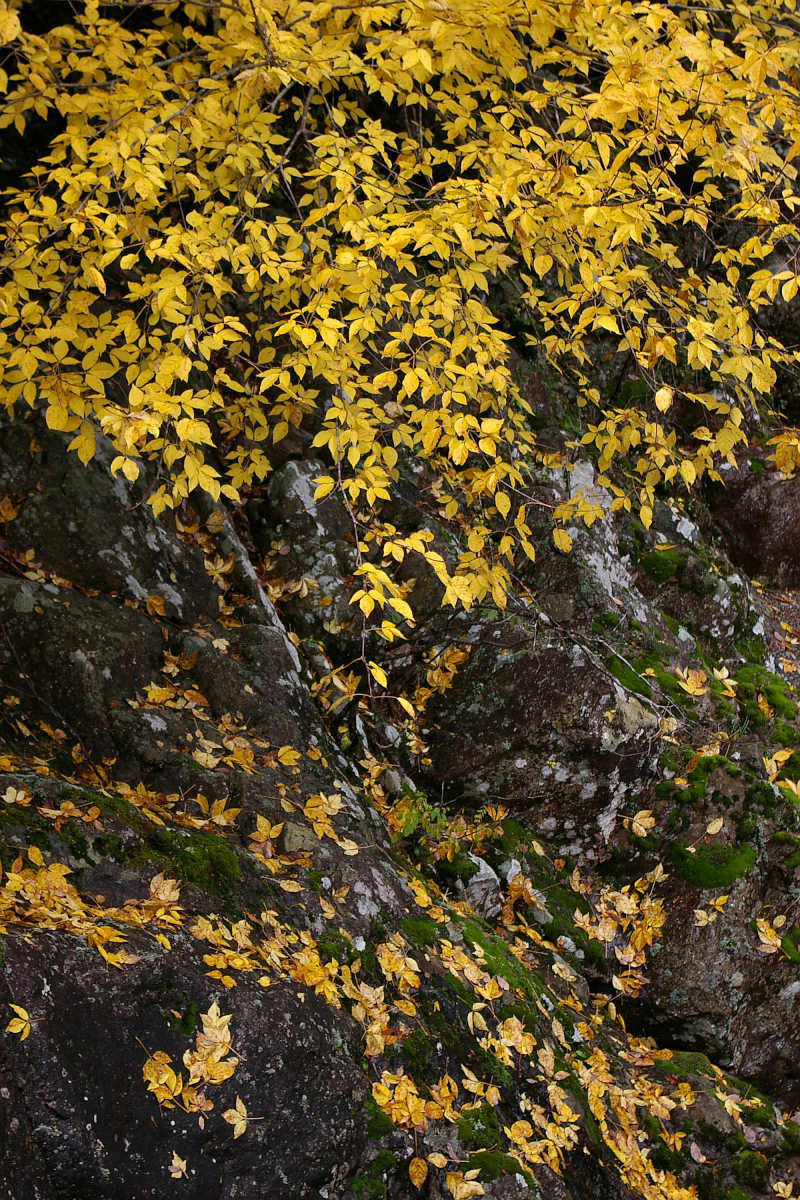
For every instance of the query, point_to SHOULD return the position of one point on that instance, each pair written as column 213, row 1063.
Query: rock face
column 84, row 1126
column 275, row 945
column 759, row 517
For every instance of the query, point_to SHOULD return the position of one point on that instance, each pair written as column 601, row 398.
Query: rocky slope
column 266, row 936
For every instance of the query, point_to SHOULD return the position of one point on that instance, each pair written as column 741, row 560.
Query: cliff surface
column 267, row 935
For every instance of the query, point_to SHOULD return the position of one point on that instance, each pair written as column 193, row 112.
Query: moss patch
column 713, row 866
column 754, row 681
column 202, row 859
column 790, row 1140
column 664, row 565
column 629, row 677
column 752, row 1169
column 371, row 1184
column 378, row 1124
column 492, row 1164
column 791, row 944
column 417, row 1054
column 421, row 931
column 480, row 1128
column 685, row 1062
column 498, row 960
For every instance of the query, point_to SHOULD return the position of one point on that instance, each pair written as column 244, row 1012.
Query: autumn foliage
column 236, row 219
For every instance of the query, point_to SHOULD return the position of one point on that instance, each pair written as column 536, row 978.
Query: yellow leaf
column 84, row 443
column 20, row 1024
column 562, row 540
column 10, row 27
column 377, row 673
column 643, row 822
column 325, row 485
column 288, row 756
column 177, row 1168
column 663, row 398
column 437, row 1160
column 418, row 1171
column 237, row 1117
column 715, row 825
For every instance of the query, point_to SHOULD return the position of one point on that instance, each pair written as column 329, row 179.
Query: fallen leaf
column 418, row 1171
column 20, row 1024
column 177, row 1167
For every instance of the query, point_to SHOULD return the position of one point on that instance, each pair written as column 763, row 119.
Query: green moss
column 752, row 1169
column 672, row 760
column 444, row 1016
column 663, row 565
column 761, row 1114
column 514, row 835
column 753, row 681
column 334, row 945
column 480, row 1128
column 654, row 660
column 605, row 622
column 786, row 734
column 371, row 1184
column 760, row 797
column 461, row 867
column 698, row 779
column 498, row 959
column 314, row 880
column 562, row 902
column 709, row 1189
column 577, row 1091
column 421, row 931
column 715, row 865
column 747, row 829
column 205, row 860
column 685, row 1062
column 790, row 1139
column 378, row 1124
column 495, row 1165
column 109, row 845
column 185, row 1021
column 202, row 859
column 793, row 859
column 74, row 839
column 20, row 827
column 791, row 943
column 752, row 649
column 662, row 1156
column 629, row 678
column 417, row 1053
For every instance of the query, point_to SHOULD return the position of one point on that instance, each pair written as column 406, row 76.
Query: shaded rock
column 94, row 529
column 62, row 654
column 541, row 723
column 712, row 989
column 758, row 515
column 85, row 1128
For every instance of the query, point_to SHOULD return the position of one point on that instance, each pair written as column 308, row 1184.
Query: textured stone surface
column 554, row 716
